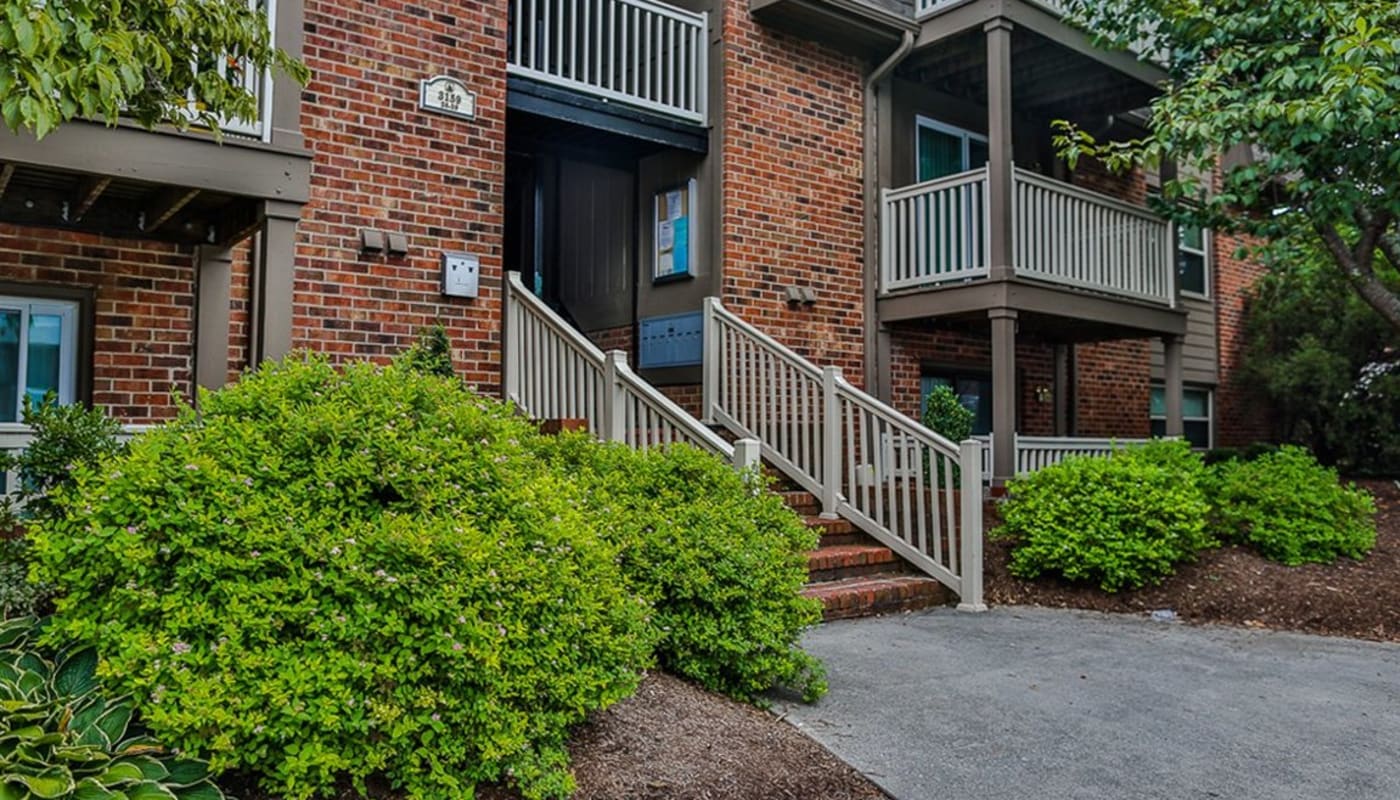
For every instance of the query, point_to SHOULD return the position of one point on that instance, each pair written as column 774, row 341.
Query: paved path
column 1023, row 703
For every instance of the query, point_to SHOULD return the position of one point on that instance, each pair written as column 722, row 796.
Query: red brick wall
column 911, row 351
column 1241, row 417
column 1113, row 389
column 382, row 163
column 144, row 311
column 792, row 192
column 620, row 338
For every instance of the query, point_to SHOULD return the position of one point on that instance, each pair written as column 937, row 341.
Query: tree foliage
column 153, row 61
column 1309, row 90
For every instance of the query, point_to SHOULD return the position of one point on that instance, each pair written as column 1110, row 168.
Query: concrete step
column 851, row 560
column 869, row 595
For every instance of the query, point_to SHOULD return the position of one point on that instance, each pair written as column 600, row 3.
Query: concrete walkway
column 1025, row 703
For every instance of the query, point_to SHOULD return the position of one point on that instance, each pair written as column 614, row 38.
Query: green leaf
column 77, row 675
column 120, row 773
column 200, row 791
column 187, row 772
column 150, row 790
column 92, row 789
column 52, row 783
column 114, row 722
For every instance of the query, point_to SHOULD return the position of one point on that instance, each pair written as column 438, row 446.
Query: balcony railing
column 642, row 53
column 936, row 232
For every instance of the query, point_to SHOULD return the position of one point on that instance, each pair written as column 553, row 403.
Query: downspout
column 876, row 345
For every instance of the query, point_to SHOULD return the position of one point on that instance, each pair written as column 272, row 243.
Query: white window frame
column 67, row 311
column 1204, row 253
column 967, row 137
column 1208, row 419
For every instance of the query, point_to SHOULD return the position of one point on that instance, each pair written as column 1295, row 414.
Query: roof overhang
column 850, row 26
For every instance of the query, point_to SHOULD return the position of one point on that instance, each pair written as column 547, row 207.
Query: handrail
column 1087, row 195
column 945, row 182
column 553, row 371
column 866, row 461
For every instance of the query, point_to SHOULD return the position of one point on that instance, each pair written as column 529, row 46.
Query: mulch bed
column 674, row 741
column 1233, row 585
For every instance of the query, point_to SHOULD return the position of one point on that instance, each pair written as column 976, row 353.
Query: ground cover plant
column 722, row 559
column 326, row 575
column 63, row 739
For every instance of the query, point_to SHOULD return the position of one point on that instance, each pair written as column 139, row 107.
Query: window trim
column 966, row 136
column 84, row 339
column 1209, row 418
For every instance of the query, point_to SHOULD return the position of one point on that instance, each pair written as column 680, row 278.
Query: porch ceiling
column 121, row 207
column 1048, row 79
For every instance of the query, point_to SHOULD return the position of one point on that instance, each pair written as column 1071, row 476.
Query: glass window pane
column 1159, row 403
column 1192, row 237
column 1192, row 269
column 9, row 365
column 940, row 154
column 1198, row 434
column 1159, row 428
column 979, row 155
column 45, row 356
column 1194, row 403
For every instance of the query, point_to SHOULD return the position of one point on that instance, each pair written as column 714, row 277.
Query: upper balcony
column 647, row 55
column 937, row 234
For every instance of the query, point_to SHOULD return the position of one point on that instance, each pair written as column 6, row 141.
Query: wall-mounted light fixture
column 1043, row 393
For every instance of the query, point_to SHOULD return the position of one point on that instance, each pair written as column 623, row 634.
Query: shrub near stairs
column 329, row 575
column 61, row 739
column 723, row 560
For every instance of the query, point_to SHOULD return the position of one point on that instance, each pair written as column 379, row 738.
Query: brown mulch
column 674, row 741
column 1235, row 586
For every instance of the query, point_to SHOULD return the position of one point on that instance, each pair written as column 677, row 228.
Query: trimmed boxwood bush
column 722, row 559
column 1291, row 509
column 325, row 575
column 1121, row 522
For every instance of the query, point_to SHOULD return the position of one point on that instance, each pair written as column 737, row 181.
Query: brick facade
column 1113, row 389
column 144, row 311
column 792, row 191
column 1240, row 416
column 382, row 163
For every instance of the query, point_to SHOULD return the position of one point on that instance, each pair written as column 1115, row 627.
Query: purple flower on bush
column 179, row 648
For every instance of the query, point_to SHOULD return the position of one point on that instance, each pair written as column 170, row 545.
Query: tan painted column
column 273, row 282
column 1003, row 394
column 212, row 316
column 999, row 148
column 1174, row 384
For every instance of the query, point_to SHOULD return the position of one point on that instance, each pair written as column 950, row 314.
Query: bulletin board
column 673, row 215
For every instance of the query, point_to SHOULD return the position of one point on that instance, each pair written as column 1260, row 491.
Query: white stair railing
column 554, row 372
column 889, row 475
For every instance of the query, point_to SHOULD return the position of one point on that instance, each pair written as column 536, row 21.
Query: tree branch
column 1357, row 264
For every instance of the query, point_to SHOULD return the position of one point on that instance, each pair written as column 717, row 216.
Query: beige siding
column 1200, row 358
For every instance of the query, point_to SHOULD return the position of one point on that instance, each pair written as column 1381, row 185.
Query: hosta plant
column 61, row 739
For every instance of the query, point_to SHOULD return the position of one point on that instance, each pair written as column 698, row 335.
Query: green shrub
column 1291, row 509
column 945, row 414
column 431, row 354
column 64, row 740
column 722, row 559
column 1123, row 522
column 328, row 575
column 65, row 438
column 19, row 597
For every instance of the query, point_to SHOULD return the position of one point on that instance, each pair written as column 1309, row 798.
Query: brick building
column 872, row 184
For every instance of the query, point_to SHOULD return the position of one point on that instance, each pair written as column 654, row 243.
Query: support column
column 1003, row 394
column 275, row 271
column 212, row 316
column 1174, row 384
column 999, row 147
column 1063, row 379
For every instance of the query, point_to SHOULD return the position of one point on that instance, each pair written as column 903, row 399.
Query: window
column 1191, row 259
column 1196, row 411
column 974, row 391
column 944, row 150
column 38, row 352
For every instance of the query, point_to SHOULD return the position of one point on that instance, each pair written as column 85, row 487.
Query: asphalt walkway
column 1034, row 703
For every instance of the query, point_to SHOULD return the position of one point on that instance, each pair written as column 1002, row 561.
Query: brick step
column 869, row 595
column 835, row 562
column 803, row 502
column 837, row 532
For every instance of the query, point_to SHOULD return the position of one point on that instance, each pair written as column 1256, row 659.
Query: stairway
column 855, row 576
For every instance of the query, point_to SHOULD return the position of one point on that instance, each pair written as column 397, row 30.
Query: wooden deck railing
column 1038, row 452
column 838, row 442
column 935, row 233
column 643, row 53
column 554, row 372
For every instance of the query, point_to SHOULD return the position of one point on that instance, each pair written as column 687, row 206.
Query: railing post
column 746, row 454
column 886, row 221
column 614, row 398
column 970, row 572
column 831, row 442
column 711, row 354
column 510, row 359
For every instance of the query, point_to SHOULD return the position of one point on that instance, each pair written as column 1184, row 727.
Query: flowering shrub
column 328, row 575
column 723, row 560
